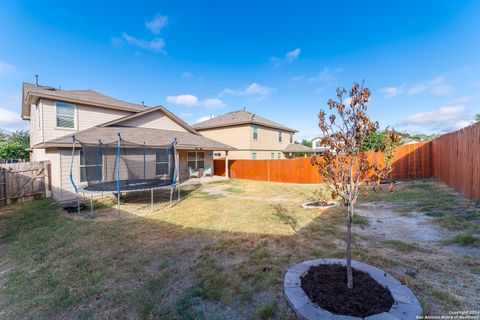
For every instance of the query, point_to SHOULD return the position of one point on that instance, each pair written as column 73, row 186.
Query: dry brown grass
column 213, row 255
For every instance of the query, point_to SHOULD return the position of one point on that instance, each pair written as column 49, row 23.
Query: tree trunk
column 349, row 246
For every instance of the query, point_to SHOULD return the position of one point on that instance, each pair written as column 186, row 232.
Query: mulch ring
column 326, row 285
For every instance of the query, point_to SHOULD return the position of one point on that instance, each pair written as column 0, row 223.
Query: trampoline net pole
column 118, row 173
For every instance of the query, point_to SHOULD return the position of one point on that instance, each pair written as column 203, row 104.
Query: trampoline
column 121, row 166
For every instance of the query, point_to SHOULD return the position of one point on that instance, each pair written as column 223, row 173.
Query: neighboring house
column 317, row 146
column 55, row 115
column 253, row 137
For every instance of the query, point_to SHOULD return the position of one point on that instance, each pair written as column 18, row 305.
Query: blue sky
column 279, row 59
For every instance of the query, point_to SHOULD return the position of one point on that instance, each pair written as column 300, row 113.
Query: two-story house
column 317, row 147
column 254, row 137
column 55, row 115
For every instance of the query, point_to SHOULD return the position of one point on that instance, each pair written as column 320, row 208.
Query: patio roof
column 297, row 147
column 151, row 137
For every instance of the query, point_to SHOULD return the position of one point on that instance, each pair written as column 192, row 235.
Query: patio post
column 227, row 174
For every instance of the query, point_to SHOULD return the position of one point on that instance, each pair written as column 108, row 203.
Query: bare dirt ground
column 427, row 259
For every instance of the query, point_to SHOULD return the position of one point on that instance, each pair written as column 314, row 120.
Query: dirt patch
column 223, row 190
column 385, row 222
column 326, row 285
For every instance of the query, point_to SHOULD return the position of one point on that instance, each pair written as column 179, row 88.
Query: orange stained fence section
column 453, row 158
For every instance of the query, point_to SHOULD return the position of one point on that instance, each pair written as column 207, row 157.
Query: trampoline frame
column 174, row 185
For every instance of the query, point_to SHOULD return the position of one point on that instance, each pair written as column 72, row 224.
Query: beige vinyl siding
column 247, row 154
column 241, row 137
column 236, row 136
column 268, row 140
column 38, row 155
column 67, row 190
column 153, row 120
column 85, row 117
column 36, row 129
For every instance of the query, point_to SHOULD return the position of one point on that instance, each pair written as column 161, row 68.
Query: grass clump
column 465, row 239
column 402, row 246
column 267, row 311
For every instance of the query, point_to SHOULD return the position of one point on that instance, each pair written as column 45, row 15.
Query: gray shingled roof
column 236, row 118
column 297, row 147
column 89, row 97
column 151, row 137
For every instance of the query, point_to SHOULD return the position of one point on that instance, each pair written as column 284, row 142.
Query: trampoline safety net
column 125, row 166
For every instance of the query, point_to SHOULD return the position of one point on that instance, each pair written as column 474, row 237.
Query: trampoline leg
column 151, row 198
column 178, row 188
column 171, row 195
column 118, row 202
column 91, row 203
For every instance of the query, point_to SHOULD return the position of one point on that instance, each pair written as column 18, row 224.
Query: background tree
column 14, row 146
column 344, row 166
column 477, row 117
column 306, row 143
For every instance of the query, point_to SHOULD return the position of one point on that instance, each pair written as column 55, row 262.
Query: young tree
column 477, row 117
column 344, row 167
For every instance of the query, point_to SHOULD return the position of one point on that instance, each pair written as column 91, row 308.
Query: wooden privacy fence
column 411, row 161
column 24, row 181
column 456, row 160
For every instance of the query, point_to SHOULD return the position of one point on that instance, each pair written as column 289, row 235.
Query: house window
column 65, row 115
column 91, row 166
column 254, row 156
column 161, row 162
column 217, row 154
column 279, row 135
column 291, row 137
column 37, row 112
column 279, row 155
column 255, row 132
column 317, row 144
column 272, row 155
column 196, row 160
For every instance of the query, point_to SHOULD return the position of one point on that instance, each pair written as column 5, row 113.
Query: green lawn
column 221, row 253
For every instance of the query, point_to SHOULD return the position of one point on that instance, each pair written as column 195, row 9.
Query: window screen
column 65, row 115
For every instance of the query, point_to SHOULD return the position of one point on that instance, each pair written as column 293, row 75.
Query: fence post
column 48, row 183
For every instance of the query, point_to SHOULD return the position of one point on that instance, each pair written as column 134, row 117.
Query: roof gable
column 32, row 92
column 239, row 117
column 149, row 119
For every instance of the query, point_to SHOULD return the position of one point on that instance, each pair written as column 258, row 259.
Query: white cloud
column 213, row 103
column 442, row 90
column 6, row 68
column 187, row 75
column 253, row 89
column 188, row 100
column 155, row 45
column 437, row 86
column 186, row 114
column 327, row 76
column 289, row 57
column 452, row 116
column 442, row 114
column 418, row 88
column 11, row 120
column 292, row 55
column 157, row 23
column 204, row 118
column 391, row 92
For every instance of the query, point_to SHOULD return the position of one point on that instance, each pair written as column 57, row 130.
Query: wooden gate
column 20, row 182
